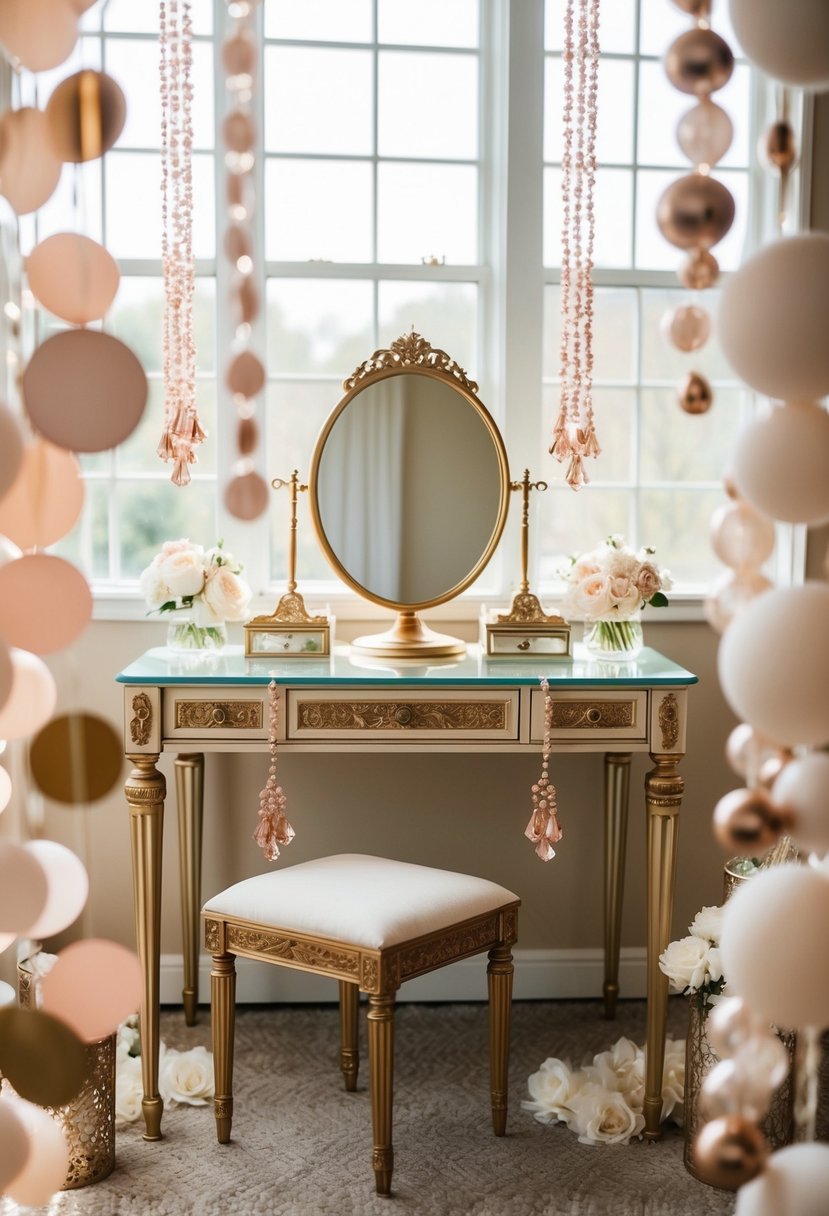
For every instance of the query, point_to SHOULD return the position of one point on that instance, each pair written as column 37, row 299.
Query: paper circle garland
column 76, row 758
column 14, row 1144
column 47, row 1164
column 23, row 887
column 67, row 885
column 45, row 603
column 5, row 788
column 773, row 930
column 795, row 1181
column 245, row 374
column 29, row 169
column 41, row 1056
column 772, row 318
column 780, row 463
column 773, row 660
column 46, row 499
column 40, row 33
column 246, row 495
column 86, row 114
column 73, row 277
column 32, row 697
column 92, row 987
column 84, row 390
column 800, row 794
column 788, row 41
column 11, row 448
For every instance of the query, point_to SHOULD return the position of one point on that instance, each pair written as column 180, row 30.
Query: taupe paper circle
column 245, row 374
column 46, row 499
column 73, row 276
column 84, row 390
column 246, row 496
column 45, row 603
column 76, row 758
column 86, row 115
column 41, row 1057
column 11, row 448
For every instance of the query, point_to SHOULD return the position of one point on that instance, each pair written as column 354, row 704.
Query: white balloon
column 45, row 1170
column 803, row 790
column 730, row 595
column 788, row 41
column 780, row 463
column 772, row 942
column 795, row 1182
column 772, row 318
column 742, row 536
column 68, row 887
column 773, row 660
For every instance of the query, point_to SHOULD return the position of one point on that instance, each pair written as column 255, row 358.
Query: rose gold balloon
column 730, row 1025
column 76, row 758
column 700, row 271
column 245, row 374
column 695, row 211
column 6, row 681
column 238, row 131
column 705, row 133
column 732, row 594
column 84, row 390
column 771, row 769
column 29, row 169
column 86, row 115
column 40, row 33
column 92, row 987
column 747, row 823
column 779, row 148
column 245, row 300
column 745, row 751
column 73, row 277
column 729, row 1089
column 699, row 61
column 11, row 448
column 729, row 1151
column 239, row 55
column 237, row 243
column 741, row 535
column 41, row 1056
column 247, row 435
column 46, row 499
column 694, row 394
column 687, row 327
column 800, row 792
column 45, row 603
column 246, row 496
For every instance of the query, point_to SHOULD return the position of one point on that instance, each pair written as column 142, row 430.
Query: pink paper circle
column 46, row 499
column 92, row 987
column 6, row 674
column 45, row 603
column 24, row 887
column 14, row 1144
column 73, row 276
column 11, row 448
column 41, row 33
column 32, row 698
column 84, row 390
column 5, row 788
column 246, row 496
column 45, row 1169
column 29, row 169
column 67, row 888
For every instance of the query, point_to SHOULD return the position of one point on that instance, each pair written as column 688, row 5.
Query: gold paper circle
column 42, row 1058
column 73, row 276
column 84, row 390
column 45, row 603
column 76, row 758
column 86, row 115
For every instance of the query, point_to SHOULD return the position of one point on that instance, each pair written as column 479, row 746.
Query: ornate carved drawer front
column 386, row 716
column 592, row 716
column 226, row 713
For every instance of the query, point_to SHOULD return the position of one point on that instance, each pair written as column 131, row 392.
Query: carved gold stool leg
column 349, row 1048
column 190, row 798
column 381, row 1079
column 223, row 1026
column 145, row 789
column 616, row 800
column 499, row 982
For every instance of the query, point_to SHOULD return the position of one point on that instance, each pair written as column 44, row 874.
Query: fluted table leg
column 223, row 1029
column 349, row 1048
column 381, row 1079
column 190, row 798
column 616, row 801
column 499, row 983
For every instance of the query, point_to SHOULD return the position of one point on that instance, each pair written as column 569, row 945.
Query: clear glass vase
column 613, row 639
column 184, row 634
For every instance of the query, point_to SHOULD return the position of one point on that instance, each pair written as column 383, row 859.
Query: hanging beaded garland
column 273, row 828
column 544, row 829
column 574, row 433
column 182, row 431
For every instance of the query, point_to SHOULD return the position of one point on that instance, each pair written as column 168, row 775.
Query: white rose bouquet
column 609, row 585
column 205, row 582
column 692, row 964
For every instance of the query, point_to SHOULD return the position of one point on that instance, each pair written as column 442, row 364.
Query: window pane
column 614, row 333
column 445, row 314
column 318, row 101
column 671, row 521
column 318, row 325
column 613, row 208
column 136, row 317
column 436, row 23
column 325, row 20
column 575, row 522
column 676, row 446
column 150, row 512
column 87, row 545
column 661, row 360
column 444, row 123
column 138, row 453
column 129, row 17
column 36, row 89
column 134, row 63
column 616, row 26
column 614, row 127
column 414, row 221
column 615, row 414
column 318, row 211
column 653, row 252
column 133, row 215
column 75, row 206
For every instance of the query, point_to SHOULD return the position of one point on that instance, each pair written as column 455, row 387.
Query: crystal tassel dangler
column 273, row 828
column 544, row 829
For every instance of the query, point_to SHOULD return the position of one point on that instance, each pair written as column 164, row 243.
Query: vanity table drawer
column 387, row 716
column 587, row 716
column 227, row 713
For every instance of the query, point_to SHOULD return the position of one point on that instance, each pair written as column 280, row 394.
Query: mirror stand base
column 409, row 638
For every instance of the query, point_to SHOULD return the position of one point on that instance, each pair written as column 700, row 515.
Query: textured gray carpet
column 303, row 1145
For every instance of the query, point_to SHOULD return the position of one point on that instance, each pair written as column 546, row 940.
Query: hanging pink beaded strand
column 544, row 829
column 273, row 828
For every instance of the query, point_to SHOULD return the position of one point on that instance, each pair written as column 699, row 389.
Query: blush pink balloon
column 5, row 788
column 6, row 674
column 11, row 448
column 14, row 1144
column 73, row 276
column 29, row 169
column 46, row 499
column 48, row 1160
column 92, row 987
column 32, row 699
column 23, row 887
column 801, row 793
column 45, row 603
column 68, row 888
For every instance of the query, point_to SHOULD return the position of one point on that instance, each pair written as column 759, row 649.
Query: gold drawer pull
column 219, row 714
column 594, row 715
column 403, row 715
column 590, row 715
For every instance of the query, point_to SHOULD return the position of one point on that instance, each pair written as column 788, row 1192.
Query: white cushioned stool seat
column 371, row 924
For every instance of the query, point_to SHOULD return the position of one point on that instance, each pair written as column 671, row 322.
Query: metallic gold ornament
column 700, row 271
column 695, row 212
column 699, row 62
column 695, row 395
column 687, row 327
column 730, row 1151
column 779, row 148
column 86, row 115
column 746, row 822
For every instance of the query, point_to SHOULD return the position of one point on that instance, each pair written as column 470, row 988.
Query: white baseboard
column 539, row 975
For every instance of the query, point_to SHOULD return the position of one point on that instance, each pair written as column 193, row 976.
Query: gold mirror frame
column 409, row 637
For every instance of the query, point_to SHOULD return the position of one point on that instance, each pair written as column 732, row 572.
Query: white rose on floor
column 551, row 1089
column 226, row 595
column 186, row 1076
column 685, row 962
column 673, row 1081
column 129, row 1089
column 602, row 1116
column 183, row 572
column 708, row 923
column 622, row 1069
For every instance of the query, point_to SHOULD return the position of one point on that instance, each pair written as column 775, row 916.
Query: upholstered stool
column 371, row 924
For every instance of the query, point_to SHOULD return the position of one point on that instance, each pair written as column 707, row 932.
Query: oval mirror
column 409, row 489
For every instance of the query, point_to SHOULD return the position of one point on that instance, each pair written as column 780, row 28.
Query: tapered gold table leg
column 145, row 790
column 381, row 1082
column 190, row 798
column 663, row 796
column 223, row 1027
column 499, row 983
column 616, row 802
column 349, row 1026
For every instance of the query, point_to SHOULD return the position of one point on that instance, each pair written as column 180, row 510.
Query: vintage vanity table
column 410, row 416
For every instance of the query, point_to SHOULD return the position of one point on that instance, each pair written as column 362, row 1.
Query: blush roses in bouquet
column 608, row 587
column 204, row 583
